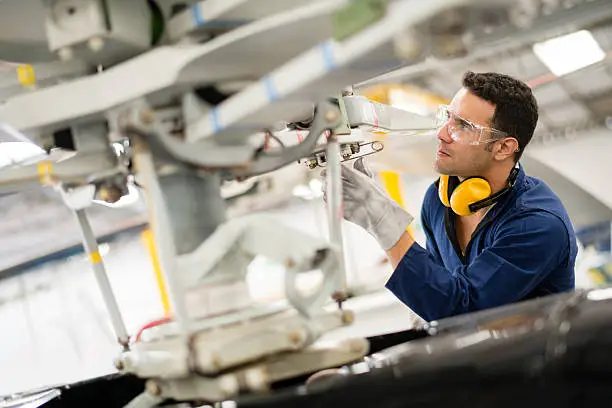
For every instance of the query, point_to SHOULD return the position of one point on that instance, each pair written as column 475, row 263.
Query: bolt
column 331, row 115
column 153, row 388
column 147, row 116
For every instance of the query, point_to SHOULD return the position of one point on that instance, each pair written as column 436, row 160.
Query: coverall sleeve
column 525, row 249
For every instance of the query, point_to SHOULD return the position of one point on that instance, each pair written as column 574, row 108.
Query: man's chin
column 443, row 170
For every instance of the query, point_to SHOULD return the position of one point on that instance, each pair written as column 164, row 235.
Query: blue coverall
column 524, row 247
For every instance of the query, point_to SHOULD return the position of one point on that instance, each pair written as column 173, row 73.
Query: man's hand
column 367, row 205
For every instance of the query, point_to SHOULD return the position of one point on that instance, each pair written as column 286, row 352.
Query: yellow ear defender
column 459, row 198
column 472, row 194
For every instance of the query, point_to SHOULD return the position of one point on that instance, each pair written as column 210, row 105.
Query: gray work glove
column 366, row 204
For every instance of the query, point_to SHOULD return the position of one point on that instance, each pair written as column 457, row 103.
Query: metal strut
column 91, row 248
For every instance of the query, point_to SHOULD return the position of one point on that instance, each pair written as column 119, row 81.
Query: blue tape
column 328, row 56
column 214, row 117
column 270, row 88
column 197, row 17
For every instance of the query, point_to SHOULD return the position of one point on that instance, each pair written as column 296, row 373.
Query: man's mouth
column 442, row 153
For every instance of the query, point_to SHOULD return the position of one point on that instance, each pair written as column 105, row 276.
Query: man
column 518, row 245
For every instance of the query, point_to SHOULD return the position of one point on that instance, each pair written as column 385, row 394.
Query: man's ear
column 505, row 148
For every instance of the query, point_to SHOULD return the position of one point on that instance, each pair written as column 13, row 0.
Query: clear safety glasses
column 463, row 131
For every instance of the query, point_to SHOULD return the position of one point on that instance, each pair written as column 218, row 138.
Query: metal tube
column 334, row 212
column 91, row 247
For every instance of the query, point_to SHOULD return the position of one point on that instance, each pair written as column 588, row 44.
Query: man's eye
column 461, row 124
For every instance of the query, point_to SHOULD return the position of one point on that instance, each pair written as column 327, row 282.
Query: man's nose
column 444, row 134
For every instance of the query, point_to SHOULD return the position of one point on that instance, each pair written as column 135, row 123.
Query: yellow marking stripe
column 95, row 257
column 45, row 171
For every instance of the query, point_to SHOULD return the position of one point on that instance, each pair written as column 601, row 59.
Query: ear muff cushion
column 443, row 190
column 468, row 192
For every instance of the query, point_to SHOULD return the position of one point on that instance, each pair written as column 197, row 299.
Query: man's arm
column 397, row 252
column 525, row 250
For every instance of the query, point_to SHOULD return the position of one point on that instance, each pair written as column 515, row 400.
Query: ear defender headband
column 472, row 194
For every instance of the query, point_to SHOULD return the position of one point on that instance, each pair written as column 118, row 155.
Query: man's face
column 455, row 158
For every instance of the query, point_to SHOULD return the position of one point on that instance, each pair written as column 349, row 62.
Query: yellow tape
column 95, row 257
column 45, row 171
column 26, row 75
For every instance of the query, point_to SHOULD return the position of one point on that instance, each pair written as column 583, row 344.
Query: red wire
column 151, row 324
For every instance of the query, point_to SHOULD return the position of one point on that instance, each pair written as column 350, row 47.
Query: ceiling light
column 569, row 53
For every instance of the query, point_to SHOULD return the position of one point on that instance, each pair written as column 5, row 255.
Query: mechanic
column 494, row 235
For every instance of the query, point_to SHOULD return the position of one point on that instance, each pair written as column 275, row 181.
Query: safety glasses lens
column 442, row 116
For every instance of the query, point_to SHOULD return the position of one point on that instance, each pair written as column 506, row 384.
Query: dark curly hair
column 516, row 109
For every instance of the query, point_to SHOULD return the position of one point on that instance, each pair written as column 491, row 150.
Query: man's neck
column 498, row 178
